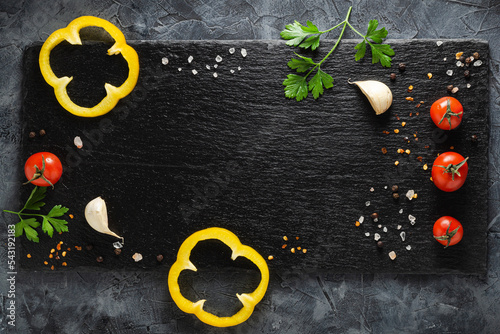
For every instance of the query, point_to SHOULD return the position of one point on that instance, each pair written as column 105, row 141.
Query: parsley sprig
column 49, row 221
column 308, row 37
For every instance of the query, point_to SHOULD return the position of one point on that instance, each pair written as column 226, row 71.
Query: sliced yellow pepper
column 72, row 34
column 238, row 249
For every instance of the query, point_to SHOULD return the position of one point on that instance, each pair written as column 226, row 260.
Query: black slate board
column 184, row 152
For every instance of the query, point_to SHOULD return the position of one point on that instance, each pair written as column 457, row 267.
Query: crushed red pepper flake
column 426, row 146
column 71, row 216
column 64, row 264
column 270, row 257
column 285, row 238
column 28, row 256
column 417, row 113
column 78, row 248
column 51, row 256
column 418, row 105
column 419, row 158
column 297, row 238
column 386, row 132
column 45, row 263
column 52, row 267
column 292, row 250
column 384, row 150
column 52, row 250
column 396, row 130
column 284, row 246
column 409, row 98
column 304, row 251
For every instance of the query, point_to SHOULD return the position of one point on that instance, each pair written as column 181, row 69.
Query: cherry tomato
column 449, row 171
column 43, row 169
column 447, row 113
column 448, row 231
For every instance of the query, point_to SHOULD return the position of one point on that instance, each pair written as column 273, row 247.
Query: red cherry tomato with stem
column 448, row 231
column 43, row 169
column 447, row 113
column 449, row 171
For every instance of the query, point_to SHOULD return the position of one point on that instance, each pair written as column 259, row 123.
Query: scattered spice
column 64, row 264
column 400, row 150
column 467, row 74
column 403, row 124
column 458, row 55
column 473, row 138
column 45, row 263
column 52, row 250
column 425, row 167
column 419, row 158
column 410, row 88
column 270, row 257
column 292, row 250
column 78, row 248
column 396, row 130
column 63, row 253
column 407, row 151
column 304, row 251
column 71, row 216
column 58, row 246
column 32, row 134
column 296, row 238
column 449, row 88
column 299, row 248
column 357, row 223
column 396, row 162
column 417, row 106
column 393, row 76
column 469, row 60
column 52, row 267
column 118, row 251
column 99, row 259
column 380, row 244
column 409, row 98
column 284, row 246
column 285, row 238
column 429, row 75
column 42, row 132
column 386, row 132
column 137, row 257
column 475, row 55
column 402, row 67
column 51, row 256
column 395, row 188
column 28, row 256
column 454, row 90
column 384, row 150
column 374, row 215
column 395, row 195
column 159, row 257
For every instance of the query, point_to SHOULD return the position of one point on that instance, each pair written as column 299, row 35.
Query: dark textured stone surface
column 296, row 302
column 186, row 152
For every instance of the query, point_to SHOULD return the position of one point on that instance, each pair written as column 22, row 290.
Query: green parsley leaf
column 319, row 80
column 28, row 226
column 361, row 47
column 375, row 35
column 312, row 42
column 295, row 33
column 382, row 53
column 295, row 87
column 47, row 228
column 302, row 64
column 57, row 211
column 59, row 224
column 34, row 201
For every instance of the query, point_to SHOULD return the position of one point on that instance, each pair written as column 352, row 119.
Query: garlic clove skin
column 96, row 215
column 378, row 94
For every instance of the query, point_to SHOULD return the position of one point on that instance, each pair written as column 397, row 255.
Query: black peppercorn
column 42, row 132
column 402, row 67
column 462, row 59
column 467, row 74
column 395, row 195
column 118, row 251
column 159, row 258
column 380, row 244
column 100, row 259
column 393, row 76
column 395, row 188
column 374, row 215
column 473, row 138
column 32, row 134
column 449, row 88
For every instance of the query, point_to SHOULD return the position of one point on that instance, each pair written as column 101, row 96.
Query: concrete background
column 296, row 302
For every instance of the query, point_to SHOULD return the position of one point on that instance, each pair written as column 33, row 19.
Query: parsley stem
column 357, row 32
column 345, row 23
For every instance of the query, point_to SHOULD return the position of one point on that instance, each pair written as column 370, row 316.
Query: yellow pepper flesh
column 238, row 249
column 72, row 34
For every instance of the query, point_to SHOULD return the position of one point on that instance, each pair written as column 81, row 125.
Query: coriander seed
column 395, row 188
column 475, row 55
column 42, row 132
column 32, row 134
column 402, row 67
column 395, row 195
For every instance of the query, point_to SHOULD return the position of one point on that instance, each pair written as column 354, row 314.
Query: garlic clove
column 378, row 94
column 96, row 215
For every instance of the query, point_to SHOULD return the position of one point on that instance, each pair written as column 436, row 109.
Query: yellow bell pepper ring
column 72, row 34
column 238, row 249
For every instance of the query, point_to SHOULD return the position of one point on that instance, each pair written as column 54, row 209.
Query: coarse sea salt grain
column 179, row 69
column 392, row 255
column 207, row 66
column 239, row 68
column 216, row 65
column 439, row 43
column 384, row 229
column 78, row 142
column 379, row 225
column 361, row 219
column 410, row 193
column 372, row 189
column 403, row 235
column 367, row 234
column 231, row 50
column 218, row 59
column 194, row 72
column 376, row 237
column 460, row 64
column 478, row 63
column 137, row 257
column 449, row 72
column 385, row 187
column 190, row 59
column 232, row 71
column 412, row 219
column 399, row 227
column 164, row 60
column 468, row 85
column 244, row 52
column 367, row 203
column 215, row 75
column 408, row 247
column 444, row 59
column 400, row 210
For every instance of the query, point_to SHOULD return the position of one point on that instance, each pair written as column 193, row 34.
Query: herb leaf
column 295, row 87
column 312, row 42
column 47, row 228
column 375, row 35
column 28, row 226
column 295, row 33
column 57, row 211
column 34, row 201
column 302, row 64
column 382, row 53
column 59, row 224
column 319, row 80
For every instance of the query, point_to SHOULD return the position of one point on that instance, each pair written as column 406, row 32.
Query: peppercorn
column 469, row 60
column 118, row 251
column 449, row 88
column 402, row 67
column 393, row 76
column 100, row 259
column 475, row 55
column 89, row 247
column 159, row 258
column 473, row 138
column 32, row 134
column 462, row 58
column 395, row 195
column 380, row 244
column 467, row 74
column 374, row 215
column 406, row 138
column 42, row 132
column 395, row 188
